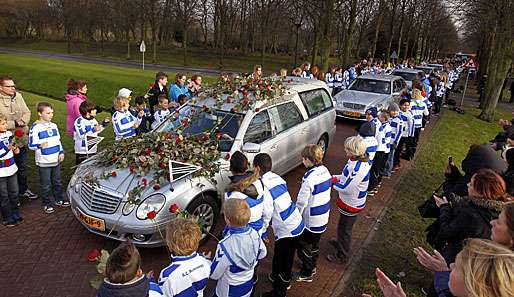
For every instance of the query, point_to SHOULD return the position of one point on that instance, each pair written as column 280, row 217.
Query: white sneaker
column 49, row 209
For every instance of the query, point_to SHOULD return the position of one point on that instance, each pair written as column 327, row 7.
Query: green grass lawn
column 198, row 57
column 48, row 77
column 402, row 228
column 67, row 167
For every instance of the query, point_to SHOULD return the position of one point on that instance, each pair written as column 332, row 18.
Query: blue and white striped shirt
column 352, row 186
column 45, row 132
column 81, row 128
column 306, row 74
column 329, row 79
column 123, row 123
column 286, row 220
column 371, row 146
column 159, row 116
column 185, row 276
column 384, row 138
column 256, row 209
column 408, row 122
column 313, row 200
column 236, row 257
column 7, row 163
column 338, row 79
column 397, row 127
column 418, row 109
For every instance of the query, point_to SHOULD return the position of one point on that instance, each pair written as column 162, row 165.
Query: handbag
column 429, row 209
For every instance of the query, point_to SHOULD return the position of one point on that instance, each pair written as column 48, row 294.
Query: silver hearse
column 303, row 115
column 408, row 74
column 367, row 91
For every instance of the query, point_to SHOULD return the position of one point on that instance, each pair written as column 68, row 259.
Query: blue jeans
column 389, row 162
column 9, row 196
column 50, row 181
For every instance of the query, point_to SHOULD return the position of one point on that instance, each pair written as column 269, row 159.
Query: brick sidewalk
column 45, row 256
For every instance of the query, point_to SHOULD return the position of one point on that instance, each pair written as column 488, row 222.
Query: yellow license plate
column 92, row 222
column 352, row 114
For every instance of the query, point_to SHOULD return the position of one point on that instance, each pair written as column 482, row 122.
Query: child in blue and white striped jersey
column 123, row 274
column 44, row 138
column 384, row 145
column 407, row 137
column 330, row 78
column 397, row 127
column 123, row 122
column 245, row 185
column 313, row 202
column 368, row 131
column 238, row 253
column 161, row 111
column 419, row 110
column 84, row 125
column 188, row 272
column 8, row 178
column 287, row 224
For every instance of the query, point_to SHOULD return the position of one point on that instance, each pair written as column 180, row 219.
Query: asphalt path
column 121, row 63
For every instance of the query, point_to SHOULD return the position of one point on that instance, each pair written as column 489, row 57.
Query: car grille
column 355, row 106
column 99, row 200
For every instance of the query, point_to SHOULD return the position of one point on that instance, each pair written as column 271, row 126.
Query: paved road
column 45, row 256
column 104, row 61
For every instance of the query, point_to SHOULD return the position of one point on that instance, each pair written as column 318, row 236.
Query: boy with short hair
column 368, row 131
column 8, row 178
column 123, row 122
column 313, row 202
column 287, row 225
column 44, row 138
column 146, row 119
column 123, row 274
column 188, row 273
column 237, row 253
column 84, row 125
column 161, row 111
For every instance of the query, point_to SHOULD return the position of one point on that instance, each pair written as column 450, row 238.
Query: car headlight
column 128, row 207
column 153, row 202
column 75, row 183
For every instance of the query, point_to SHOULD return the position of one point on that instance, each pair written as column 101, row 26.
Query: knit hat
column 393, row 107
column 373, row 111
column 124, row 92
column 367, row 129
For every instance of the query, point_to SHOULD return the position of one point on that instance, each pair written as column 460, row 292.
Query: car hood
column 359, row 97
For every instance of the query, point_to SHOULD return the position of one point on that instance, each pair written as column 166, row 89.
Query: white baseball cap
column 124, row 92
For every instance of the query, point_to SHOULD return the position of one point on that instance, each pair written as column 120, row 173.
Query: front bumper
column 351, row 114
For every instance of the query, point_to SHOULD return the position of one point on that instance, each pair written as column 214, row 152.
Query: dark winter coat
column 153, row 96
column 463, row 219
column 137, row 288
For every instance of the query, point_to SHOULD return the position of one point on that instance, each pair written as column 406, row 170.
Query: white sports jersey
column 185, row 276
column 408, row 121
column 7, row 163
column 159, row 116
column 286, row 220
column 123, row 123
column 418, row 109
column 236, row 257
column 306, row 74
column 329, row 79
column 384, row 134
column 352, row 186
column 45, row 132
column 313, row 200
column 338, row 79
column 371, row 146
column 81, row 128
column 397, row 128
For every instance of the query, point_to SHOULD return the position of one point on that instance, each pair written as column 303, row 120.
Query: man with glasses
column 13, row 107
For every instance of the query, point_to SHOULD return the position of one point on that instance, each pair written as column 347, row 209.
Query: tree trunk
column 348, row 34
column 377, row 28
column 314, row 53
column 128, row 44
column 326, row 30
column 391, row 30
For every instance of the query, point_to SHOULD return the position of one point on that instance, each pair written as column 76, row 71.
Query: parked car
column 368, row 91
column 304, row 114
column 437, row 67
column 426, row 69
column 408, row 74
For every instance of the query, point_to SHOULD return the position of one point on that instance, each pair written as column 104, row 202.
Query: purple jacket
column 73, row 100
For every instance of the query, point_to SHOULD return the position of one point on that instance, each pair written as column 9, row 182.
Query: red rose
column 193, row 110
column 132, row 168
column 184, row 122
column 334, row 179
column 93, row 255
column 218, row 135
column 114, row 174
column 204, row 106
column 115, row 158
column 7, row 163
column 151, row 86
column 156, row 187
column 232, row 110
column 148, row 151
column 144, row 181
column 151, row 215
column 177, row 140
column 227, row 157
column 173, row 208
column 162, row 165
column 257, row 109
column 19, row 133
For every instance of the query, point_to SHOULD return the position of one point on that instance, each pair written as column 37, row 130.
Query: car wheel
column 206, row 209
column 323, row 143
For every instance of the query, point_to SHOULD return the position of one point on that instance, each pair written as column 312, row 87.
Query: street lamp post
column 298, row 23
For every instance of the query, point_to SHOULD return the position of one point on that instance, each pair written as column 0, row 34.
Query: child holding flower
column 8, row 179
column 86, row 125
column 124, row 123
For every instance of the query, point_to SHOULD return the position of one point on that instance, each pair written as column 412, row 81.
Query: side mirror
column 251, row 148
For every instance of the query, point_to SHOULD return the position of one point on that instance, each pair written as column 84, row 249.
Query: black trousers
column 308, row 251
column 376, row 169
column 344, row 235
column 282, row 264
column 402, row 147
column 437, row 105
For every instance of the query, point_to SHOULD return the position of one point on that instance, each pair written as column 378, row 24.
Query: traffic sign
column 394, row 55
column 142, row 47
column 470, row 63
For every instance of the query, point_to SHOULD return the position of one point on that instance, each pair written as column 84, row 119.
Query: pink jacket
column 73, row 100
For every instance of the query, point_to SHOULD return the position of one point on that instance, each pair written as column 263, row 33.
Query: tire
column 207, row 209
column 323, row 143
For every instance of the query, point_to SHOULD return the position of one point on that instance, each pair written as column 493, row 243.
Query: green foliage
column 453, row 135
column 48, row 77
